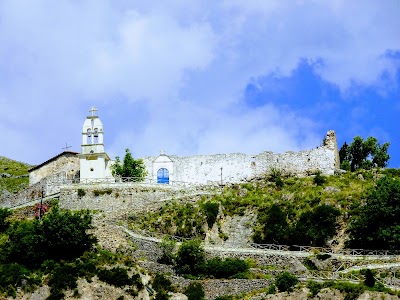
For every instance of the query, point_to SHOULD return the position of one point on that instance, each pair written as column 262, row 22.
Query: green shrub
column 211, row 211
column 81, row 193
column 314, row 287
column 316, row 227
column 168, row 251
column 378, row 223
column 227, row 268
column 195, row 291
column 4, row 214
column 319, row 179
column 59, row 235
column 276, row 177
column 62, row 277
column 102, row 192
column 11, row 276
column 271, row 289
column 286, row 281
column 162, row 283
column 275, row 226
column 116, row 276
column 224, row 298
column 369, row 278
column 190, row 254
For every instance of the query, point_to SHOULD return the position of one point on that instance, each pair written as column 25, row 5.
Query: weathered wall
column 236, row 167
column 124, row 196
column 66, row 165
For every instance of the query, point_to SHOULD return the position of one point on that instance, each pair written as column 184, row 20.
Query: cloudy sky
column 198, row 77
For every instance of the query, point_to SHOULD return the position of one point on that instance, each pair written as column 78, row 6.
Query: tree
column 378, row 223
column 317, row 226
column 276, row 227
column 363, row 154
column 130, row 167
column 59, row 235
column 190, row 254
column 286, row 281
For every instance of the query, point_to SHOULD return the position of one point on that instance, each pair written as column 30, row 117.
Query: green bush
column 224, row 298
column 378, row 224
column 59, row 235
column 218, row 268
column 314, row 287
column 319, row 179
column 168, row 251
column 116, row 276
column 275, row 226
column 62, row 277
column 195, row 291
column 162, row 283
column 4, row 214
column 211, row 211
column 190, row 254
column 81, row 193
column 316, row 227
column 11, row 276
column 369, row 278
column 286, row 281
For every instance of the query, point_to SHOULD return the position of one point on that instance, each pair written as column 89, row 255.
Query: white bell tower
column 94, row 161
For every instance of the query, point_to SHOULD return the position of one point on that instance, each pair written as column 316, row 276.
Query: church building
column 93, row 164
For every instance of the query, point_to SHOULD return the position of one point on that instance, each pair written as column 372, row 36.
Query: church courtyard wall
column 236, row 167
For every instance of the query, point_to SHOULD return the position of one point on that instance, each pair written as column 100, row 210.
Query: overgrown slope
column 314, row 211
column 13, row 175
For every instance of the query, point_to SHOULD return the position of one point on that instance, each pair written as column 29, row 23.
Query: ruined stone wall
column 237, row 167
column 66, row 165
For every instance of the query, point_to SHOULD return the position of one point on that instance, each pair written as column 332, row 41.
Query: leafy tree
column 316, row 226
column 275, row 226
column 60, row 235
column 286, row 281
column 189, row 254
column 130, row 167
column 378, row 223
column 363, row 154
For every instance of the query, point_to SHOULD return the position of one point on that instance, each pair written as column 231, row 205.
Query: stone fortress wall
column 237, row 167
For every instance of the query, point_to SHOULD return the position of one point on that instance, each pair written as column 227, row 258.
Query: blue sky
column 197, row 77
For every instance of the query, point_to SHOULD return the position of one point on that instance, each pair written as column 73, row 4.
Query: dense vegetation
column 296, row 211
column 58, row 249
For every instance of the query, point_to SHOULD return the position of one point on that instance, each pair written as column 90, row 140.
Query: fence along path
column 290, row 250
column 344, row 275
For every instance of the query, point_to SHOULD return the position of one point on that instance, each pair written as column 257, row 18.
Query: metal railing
column 292, row 248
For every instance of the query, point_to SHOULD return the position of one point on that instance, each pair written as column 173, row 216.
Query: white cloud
column 188, row 64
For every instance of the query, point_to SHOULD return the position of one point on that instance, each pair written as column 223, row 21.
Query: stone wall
column 113, row 197
column 236, row 167
column 66, row 164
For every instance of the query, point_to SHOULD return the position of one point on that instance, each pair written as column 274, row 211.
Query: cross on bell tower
column 93, row 110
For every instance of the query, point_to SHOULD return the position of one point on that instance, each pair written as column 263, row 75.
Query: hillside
column 228, row 245
column 13, row 175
